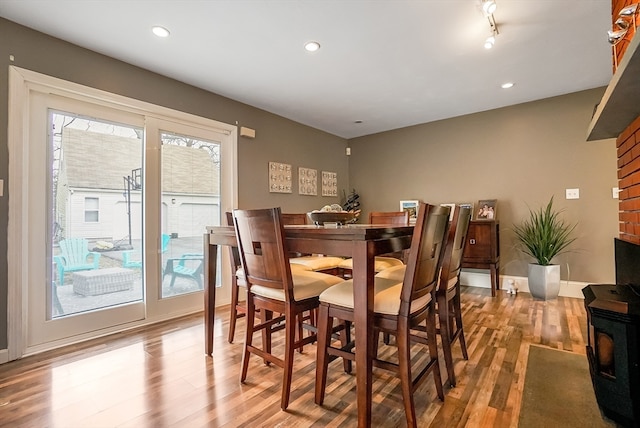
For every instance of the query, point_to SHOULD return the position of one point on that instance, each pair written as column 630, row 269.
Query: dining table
column 361, row 242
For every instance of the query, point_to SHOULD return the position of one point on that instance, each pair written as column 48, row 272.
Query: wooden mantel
column 619, row 105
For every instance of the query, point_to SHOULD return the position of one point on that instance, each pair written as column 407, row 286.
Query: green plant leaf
column 544, row 234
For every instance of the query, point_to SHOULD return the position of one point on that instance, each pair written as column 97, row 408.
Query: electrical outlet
column 615, row 192
column 573, row 193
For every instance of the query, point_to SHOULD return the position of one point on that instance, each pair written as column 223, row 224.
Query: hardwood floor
column 159, row 376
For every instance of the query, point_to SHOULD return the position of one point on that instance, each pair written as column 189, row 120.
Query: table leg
column 363, row 314
column 210, row 265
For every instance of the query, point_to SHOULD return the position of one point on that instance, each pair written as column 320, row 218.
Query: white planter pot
column 544, row 281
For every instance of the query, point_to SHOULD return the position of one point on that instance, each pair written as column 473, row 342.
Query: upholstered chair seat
column 380, row 264
column 386, row 296
column 317, row 263
column 306, row 284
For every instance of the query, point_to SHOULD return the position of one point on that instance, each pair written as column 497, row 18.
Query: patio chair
column 126, row 255
column 189, row 265
column 75, row 256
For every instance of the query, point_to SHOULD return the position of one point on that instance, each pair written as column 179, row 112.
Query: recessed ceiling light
column 160, row 31
column 312, row 46
column 507, row 85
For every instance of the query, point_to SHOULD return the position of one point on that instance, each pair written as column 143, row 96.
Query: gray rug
column 558, row 392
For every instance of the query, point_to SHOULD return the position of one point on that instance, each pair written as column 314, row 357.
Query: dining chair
column 448, row 292
column 397, row 308
column 272, row 287
column 315, row 262
column 384, row 261
column 238, row 307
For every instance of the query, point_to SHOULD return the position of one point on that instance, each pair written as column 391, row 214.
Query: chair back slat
column 452, row 262
column 294, row 218
column 425, row 255
column 234, row 253
column 389, row 217
column 263, row 250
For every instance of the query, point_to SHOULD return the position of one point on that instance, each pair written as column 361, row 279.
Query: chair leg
column 248, row 336
column 445, row 335
column 299, row 330
column 322, row 357
column 265, row 316
column 345, row 338
column 233, row 316
column 404, row 372
column 289, row 348
column 458, row 315
column 433, row 351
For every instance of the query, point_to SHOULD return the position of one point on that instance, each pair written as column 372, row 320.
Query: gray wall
column 277, row 139
column 521, row 156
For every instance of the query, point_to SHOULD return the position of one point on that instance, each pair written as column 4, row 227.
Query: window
column 91, row 210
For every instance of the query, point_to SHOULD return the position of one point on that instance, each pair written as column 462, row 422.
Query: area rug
column 558, row 392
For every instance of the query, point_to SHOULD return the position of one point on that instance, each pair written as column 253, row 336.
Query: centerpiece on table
column 332, row 214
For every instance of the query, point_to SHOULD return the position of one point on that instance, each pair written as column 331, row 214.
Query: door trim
column 21, row 83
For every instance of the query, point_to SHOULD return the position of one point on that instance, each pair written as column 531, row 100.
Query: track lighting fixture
column 625, row 22
column 488, row 8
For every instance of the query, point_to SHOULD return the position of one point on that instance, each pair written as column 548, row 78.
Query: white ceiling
column 389, row 64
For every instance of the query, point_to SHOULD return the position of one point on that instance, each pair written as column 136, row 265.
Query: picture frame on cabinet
column 486, row 209
column 453, row 208
column 412, row 208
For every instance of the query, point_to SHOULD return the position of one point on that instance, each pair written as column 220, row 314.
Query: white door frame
column 22, row 83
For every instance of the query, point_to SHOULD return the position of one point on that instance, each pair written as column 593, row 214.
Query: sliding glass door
column 116, row 206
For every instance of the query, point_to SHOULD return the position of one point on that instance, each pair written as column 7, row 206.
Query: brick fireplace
column 613, row 311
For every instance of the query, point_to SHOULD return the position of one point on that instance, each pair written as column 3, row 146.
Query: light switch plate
column 573, row 193
column 615, row 193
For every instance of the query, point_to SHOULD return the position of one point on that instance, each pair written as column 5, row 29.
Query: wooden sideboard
column 482, row 250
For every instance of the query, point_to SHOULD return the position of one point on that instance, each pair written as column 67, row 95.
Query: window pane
column 190, row 202
column 96, row 214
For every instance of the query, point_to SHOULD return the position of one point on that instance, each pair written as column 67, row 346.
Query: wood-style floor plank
column 159, row 376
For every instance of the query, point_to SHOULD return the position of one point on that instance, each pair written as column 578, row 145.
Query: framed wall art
column 329, row 183
column 279, row 177
column 307, row 181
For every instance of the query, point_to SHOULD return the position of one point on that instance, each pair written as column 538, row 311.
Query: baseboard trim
column 483, row 280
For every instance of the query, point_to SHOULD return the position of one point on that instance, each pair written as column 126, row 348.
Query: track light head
column 616, row 36
column 489, row 7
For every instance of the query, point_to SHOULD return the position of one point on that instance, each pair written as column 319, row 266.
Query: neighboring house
column 92, row 187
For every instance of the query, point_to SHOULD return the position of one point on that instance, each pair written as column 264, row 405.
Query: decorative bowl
column 321, row 217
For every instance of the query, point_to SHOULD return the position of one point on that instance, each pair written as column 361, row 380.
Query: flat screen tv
column 627, row 256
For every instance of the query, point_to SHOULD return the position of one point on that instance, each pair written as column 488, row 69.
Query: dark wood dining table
column 361, row 242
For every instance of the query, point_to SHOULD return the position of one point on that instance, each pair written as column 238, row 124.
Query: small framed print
column 470, row 206
column 453, row 208
column 411, row 207
column 486, row 209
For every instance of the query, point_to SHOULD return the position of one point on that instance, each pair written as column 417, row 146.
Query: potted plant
column 543, row 236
